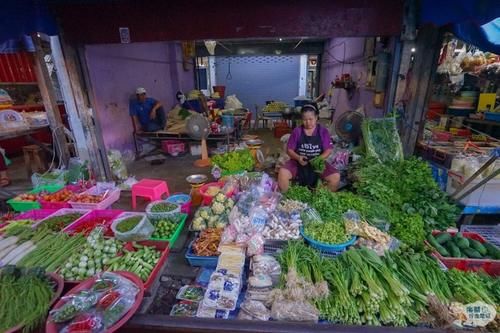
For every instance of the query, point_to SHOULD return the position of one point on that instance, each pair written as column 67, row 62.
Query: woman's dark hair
column 311, row 107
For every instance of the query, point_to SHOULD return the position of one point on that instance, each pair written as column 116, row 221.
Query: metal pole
column 474, row 176
column 481, row 183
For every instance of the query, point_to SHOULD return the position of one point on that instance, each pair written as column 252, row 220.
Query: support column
column 50, row 101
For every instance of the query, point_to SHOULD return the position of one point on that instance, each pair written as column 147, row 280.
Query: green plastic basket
column 23, row 206
column 176, row 233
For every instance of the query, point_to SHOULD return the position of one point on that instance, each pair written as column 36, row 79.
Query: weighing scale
column 254, row 147
column 196, row 181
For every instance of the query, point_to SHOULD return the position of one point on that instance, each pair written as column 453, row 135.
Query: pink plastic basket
column 61, row 204
column 111, row 198
column 37, row 214
column 106, row 216
column 64, row 211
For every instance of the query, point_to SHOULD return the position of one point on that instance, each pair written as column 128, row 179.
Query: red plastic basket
column 207, row 199
column 173, row 147
column 107, row 216
column 490, row 266
column 58, row 290
column 51, row 327
column 164, row 247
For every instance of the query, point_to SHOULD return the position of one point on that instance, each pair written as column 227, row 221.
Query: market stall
column 382, row 254
column 460, row 132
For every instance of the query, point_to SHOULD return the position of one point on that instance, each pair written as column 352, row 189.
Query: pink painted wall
column 331, row 67
column 116, row 70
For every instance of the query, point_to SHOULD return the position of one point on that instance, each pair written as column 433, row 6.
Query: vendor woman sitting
column 307, row 142
column 147, row 113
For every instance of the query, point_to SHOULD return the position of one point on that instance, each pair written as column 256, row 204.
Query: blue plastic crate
column 493, row 116
column 200, row 261
column 328, row 248
column 440, row 175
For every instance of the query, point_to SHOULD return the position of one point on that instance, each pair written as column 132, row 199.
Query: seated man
column 148, row 113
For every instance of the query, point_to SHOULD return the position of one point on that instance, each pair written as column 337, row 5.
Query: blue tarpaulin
column 476, row 22
column 21, row 18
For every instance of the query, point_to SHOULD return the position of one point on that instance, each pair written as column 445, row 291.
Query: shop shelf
column 201, row 261
column 176, row 234
column 492, row 267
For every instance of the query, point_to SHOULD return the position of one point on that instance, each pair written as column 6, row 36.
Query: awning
column 475, row 22
column 21, row 18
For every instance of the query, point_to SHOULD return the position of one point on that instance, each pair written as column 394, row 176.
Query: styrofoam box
column 487, row 195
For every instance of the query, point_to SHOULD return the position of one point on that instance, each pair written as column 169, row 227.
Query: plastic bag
column 294, row 311
column 232, row 102
column 382, row 139
column 265, row 264
column 256, row 310
column 142, row 231
column 74, row 305
column 310, row 215
column 255, row 245
column 117, row 164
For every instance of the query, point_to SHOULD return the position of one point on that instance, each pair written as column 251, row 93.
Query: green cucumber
column 432, row 241
column 461, row 242
column 453, row 249
column 493, row 251
column 478, row 246
column 443, row 237
column 471, row 253
column 442, row 251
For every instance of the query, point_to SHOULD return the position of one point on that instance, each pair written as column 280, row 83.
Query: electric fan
column 348, row 126
column 198, row 128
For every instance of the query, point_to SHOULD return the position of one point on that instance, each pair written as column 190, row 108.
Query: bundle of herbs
column 408, row 187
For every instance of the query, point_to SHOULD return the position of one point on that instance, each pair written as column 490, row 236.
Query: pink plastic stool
column 152, row 189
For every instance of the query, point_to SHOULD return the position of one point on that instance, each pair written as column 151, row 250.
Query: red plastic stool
column 152, row 189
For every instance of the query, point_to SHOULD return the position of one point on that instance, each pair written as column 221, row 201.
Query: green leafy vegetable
column 326, row 232
column 318, row 164
column 407, row 186
column 237, row 160
column 382, row 139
